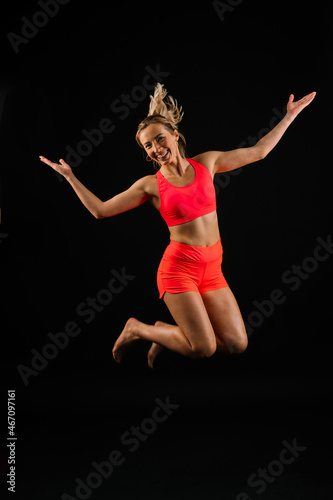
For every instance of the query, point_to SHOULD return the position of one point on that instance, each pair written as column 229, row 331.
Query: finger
column 48, row 162
column 291, row 98
column 309, row 97
column 312, row 96
column 45, row 160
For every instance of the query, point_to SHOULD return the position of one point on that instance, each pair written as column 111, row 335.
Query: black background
column 231, row 76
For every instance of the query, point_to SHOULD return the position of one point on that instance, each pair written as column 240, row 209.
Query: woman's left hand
column 294, row 108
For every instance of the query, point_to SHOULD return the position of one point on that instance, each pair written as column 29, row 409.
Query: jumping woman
column 189, row 277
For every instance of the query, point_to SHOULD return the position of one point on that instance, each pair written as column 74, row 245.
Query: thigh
column 177, row 275
column 189, row 312
column 226, row 319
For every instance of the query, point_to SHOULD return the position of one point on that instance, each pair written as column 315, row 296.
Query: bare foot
column 155, row 348
column 125, row 339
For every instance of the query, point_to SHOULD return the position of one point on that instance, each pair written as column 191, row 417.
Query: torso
column 202, row 231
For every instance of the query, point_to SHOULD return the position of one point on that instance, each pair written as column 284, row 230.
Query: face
column 160, row 144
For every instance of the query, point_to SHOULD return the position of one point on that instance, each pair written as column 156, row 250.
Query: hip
column 182, row 252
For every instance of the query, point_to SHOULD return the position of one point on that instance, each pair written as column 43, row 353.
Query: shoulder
column 207, row 159
column 148, row 184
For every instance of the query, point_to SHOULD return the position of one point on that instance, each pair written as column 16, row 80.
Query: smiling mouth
column 163, row 157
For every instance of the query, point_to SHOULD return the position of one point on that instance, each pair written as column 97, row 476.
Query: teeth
column 163, row 156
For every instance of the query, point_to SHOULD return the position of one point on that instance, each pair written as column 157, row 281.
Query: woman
column 189, row 278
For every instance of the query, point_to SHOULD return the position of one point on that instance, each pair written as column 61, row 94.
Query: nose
column 156, row 148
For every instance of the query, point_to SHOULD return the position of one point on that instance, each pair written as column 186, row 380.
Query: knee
column 240, row 345
column 205, row 350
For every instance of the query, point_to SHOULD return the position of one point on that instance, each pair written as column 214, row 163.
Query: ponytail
column 163, row 109
column 168, row 109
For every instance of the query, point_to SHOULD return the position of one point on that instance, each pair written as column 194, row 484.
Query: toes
column 150, row 359
column 150, row 364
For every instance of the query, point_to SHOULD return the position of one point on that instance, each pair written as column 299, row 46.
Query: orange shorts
column 185, row 268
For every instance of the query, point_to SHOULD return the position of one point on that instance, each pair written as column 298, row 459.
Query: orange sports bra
column 181, row 204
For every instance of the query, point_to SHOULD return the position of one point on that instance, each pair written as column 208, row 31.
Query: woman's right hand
column 62, row 167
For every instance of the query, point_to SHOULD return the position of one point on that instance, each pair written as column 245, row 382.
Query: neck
column 177, row 167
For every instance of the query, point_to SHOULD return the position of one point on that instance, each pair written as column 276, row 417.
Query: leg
column 226, row 319
column 156, row 348
column 193, row 337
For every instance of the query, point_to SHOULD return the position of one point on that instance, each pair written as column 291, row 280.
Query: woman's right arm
column 134, row 196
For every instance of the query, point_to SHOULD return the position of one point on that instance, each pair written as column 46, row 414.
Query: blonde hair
column 163, row 109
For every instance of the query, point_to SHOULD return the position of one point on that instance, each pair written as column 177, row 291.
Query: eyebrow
column 145, row 144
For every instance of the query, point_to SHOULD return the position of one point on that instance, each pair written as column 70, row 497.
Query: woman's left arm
column 224, row 161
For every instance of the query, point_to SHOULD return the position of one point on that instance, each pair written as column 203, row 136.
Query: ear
column 176, row 134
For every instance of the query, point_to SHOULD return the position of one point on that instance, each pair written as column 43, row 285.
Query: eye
column 161, row 138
